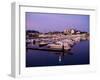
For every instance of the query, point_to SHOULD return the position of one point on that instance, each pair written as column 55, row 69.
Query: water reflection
column 79, row 54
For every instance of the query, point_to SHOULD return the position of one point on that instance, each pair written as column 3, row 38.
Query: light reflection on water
column 79, row 54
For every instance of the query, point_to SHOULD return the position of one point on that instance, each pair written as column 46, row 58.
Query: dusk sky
column 45, row 22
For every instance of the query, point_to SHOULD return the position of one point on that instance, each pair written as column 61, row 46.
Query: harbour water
column 78, row 55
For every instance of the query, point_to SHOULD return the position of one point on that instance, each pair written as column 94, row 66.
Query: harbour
column 54, row 39
column 79, row 54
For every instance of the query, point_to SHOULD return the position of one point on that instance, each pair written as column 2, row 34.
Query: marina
column 62, row 43
column 50, row 58
column 56, row 44
column 56, row 39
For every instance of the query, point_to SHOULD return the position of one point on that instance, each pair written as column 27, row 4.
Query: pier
column 48, row 49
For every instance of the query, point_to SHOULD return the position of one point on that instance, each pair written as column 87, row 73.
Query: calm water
column 79, row 54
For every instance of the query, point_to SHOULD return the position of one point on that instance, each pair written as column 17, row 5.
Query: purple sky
column 45, row 22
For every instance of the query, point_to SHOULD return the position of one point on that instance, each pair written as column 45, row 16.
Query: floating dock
column 48, row 49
